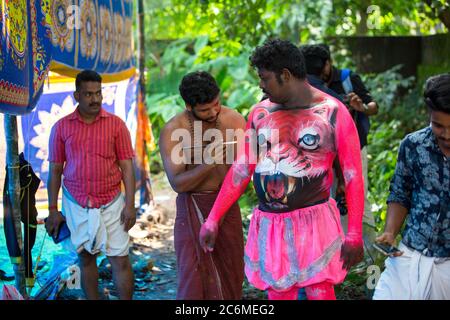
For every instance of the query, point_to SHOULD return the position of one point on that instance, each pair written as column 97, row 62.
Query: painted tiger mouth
column 277, row 186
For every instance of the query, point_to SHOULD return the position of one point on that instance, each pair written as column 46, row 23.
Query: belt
column 262, row 205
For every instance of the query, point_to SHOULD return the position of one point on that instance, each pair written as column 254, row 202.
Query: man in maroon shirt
column 90, row 154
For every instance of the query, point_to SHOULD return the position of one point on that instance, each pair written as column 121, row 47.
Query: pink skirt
column 298, row 248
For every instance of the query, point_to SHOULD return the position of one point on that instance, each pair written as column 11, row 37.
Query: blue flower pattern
column 421, row 184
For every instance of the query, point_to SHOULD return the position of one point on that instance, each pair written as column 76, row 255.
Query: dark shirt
column 318, row 83
column 421, row 184
column 360, row 89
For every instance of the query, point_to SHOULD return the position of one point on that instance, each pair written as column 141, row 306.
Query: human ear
column 286, row 74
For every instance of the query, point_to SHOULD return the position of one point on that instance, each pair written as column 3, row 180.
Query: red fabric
column 298, row 248
column 205, row 276
column 90, row 153
column 291, row 294
column 319, row 291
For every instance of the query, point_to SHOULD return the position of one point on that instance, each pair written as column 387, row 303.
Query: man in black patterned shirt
column 420, row 193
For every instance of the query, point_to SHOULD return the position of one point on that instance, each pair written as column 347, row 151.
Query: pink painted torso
column 295, row 169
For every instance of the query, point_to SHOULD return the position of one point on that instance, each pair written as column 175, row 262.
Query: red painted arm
column 349, row 155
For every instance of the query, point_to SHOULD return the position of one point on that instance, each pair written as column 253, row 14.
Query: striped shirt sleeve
column 56, row 149
column 123, row 146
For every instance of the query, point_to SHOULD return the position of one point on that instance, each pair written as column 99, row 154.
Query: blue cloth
column 421, row 184
column 336, row 84
column 25, row 54
column 97, row 35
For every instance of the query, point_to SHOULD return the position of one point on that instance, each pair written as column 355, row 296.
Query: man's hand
column 128, row 217
column 208, row 235
column 53, row 222
column 355, row 102
column 351, row 254
column 388, row 238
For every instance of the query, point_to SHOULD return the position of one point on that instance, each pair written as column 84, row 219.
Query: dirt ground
column 152, row 253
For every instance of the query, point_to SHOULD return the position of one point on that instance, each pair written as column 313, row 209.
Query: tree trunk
column 361, row 27
column 12, row 164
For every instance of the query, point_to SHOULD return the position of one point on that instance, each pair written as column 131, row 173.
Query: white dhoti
column 413, row 276
column 96, row 230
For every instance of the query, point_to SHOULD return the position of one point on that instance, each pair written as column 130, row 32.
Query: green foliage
column 426, row 71
column 383, row 17
column 233, row 74
column 384, row 141
column 385, row 87
column 233, row 24
column 218, row 36
column 398, row 115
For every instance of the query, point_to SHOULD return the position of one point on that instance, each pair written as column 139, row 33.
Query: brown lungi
column 213, row 276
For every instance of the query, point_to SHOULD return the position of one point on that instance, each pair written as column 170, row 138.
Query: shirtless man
column 196, row 167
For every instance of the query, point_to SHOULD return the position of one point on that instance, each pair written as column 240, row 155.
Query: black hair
column 326, row 48
column 85, row 76
column 316, row 57
column 198, row 88
column 437, row 93
column 275, row 55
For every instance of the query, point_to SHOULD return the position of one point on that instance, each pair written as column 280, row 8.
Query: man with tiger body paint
column 295, row 239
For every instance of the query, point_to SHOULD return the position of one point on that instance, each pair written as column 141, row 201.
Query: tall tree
column 146, row 194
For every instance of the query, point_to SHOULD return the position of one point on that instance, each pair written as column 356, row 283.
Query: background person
column 420, row 194
column 92, row 150
column 217, row 275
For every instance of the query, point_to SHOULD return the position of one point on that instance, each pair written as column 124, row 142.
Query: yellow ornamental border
column 106, row 77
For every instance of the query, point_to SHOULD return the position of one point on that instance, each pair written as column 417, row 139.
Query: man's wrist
column 211, row 224
column 129, row 205
column 391, row 233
